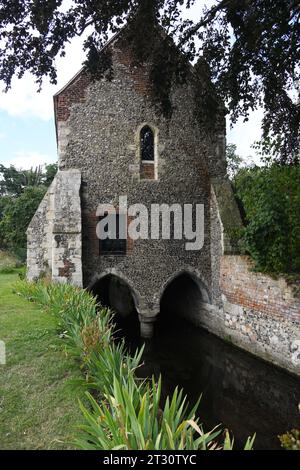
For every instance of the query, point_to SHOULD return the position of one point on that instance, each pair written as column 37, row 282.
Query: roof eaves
column 73, row 79
column 108, row 43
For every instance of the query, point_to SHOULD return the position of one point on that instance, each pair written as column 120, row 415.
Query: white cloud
column 24, row 100
column 27, row 159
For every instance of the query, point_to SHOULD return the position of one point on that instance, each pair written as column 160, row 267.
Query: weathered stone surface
column 259, row 313
column 39, row 237
column 54, row 234
column 229, row 214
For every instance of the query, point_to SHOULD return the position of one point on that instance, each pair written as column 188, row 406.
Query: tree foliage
column 21, row 192
column 233, row 160
column 251, row 47
column 271, row 199
column 14, row 181
column 17, row 212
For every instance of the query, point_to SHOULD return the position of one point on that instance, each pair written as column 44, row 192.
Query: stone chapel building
column 111, row 143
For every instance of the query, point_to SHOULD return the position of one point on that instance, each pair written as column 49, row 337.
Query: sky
column 27, row 131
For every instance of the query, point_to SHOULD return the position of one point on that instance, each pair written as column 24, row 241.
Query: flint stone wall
column 98, row 126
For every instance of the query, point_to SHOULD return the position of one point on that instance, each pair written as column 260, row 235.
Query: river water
column 244, row 394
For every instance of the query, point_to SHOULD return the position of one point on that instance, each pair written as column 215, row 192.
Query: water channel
column 243, row 393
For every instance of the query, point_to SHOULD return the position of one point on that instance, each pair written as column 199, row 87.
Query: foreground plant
column 290, row 440
column 130, row 418
column 124, row 412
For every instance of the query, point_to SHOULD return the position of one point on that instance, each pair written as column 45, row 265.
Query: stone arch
column 184, row 295
column 113, row 273
column 147, row 144
column 148, row 170
column 195, row 276
column 152, row 126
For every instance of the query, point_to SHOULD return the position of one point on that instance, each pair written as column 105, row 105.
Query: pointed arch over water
column 184, row 295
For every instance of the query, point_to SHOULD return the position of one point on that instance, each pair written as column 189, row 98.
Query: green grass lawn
column 38, row 404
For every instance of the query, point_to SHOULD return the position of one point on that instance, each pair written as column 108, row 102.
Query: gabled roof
column 72, row 80
column 77, row 75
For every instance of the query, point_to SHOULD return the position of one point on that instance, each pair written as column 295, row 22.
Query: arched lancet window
column 147, row 144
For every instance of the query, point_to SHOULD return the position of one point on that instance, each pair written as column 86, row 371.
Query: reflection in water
column 245, row 394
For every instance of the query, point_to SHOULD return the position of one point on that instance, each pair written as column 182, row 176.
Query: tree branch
column 86, row 25
column 210, row 15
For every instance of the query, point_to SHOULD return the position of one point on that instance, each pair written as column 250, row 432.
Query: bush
column 15, row 216
column 13, row 269
column 125, row 412
column 271, row 199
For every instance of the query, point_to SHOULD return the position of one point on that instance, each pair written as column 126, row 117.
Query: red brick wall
column 257, row 291
column 139, row 75
column 147, row 171
column 74, row 93
column 92, row 239
column 90, row 230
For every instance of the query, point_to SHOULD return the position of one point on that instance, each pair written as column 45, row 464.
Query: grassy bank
column 54, row 333
column 38, row 404
column 124, row 412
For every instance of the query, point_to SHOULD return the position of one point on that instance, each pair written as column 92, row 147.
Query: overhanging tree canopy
column 251, row 46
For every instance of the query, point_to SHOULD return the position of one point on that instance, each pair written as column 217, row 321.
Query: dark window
column 147, row 144
column 114, row 245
